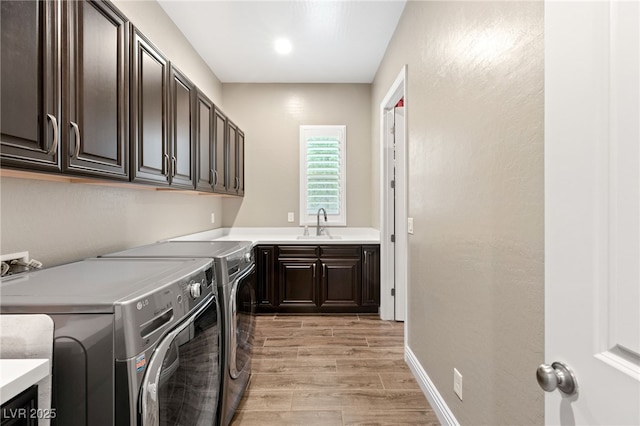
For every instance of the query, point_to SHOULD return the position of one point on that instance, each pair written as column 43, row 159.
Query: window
column 322, row 174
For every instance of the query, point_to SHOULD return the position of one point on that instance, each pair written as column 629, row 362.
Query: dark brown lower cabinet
column 265, row 263
column 298, row 283
column 371, row 275
column 318, row 279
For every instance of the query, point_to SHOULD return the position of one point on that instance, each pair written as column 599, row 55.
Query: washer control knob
column 195, row 289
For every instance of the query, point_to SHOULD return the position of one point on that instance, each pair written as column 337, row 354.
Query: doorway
column 393, row 201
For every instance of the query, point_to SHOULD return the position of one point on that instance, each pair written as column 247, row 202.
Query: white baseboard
column 438, row 404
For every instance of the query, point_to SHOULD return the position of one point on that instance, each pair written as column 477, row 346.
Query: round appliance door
column 242, row 322
column 183, row 377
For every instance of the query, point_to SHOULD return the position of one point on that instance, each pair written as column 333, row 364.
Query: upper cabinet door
column 220, row 178
column 183, row 96
column 240, row 164
column 29, row 88
column 150, row 156
column 95, row 76
column 204, row 144
column 232, row 160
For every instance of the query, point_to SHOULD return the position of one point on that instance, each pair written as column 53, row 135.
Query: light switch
column 290, row 217
column 213, row 218
column 410, row 225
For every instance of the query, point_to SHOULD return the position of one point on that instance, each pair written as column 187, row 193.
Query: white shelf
column 16, row 375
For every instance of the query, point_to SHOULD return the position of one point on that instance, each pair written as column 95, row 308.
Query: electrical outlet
column 290, row 217
column 22, row 256
column 410, row 225
column 457, row 383
column 213, row 218
column 9, row 268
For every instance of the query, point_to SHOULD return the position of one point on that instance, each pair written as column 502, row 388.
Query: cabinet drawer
column 298, row 251
column 340, row 251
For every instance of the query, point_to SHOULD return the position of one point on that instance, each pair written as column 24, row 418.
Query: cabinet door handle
column 54, row 145
column 211, row 177
column 215, row 175
column 366, row 254
column 173, row 165
column 237, row 183
column 313, row 267
column 76, row 130
column 166, row 164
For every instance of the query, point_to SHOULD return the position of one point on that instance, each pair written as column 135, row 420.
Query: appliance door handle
column 233, row 327
column 151, row 381
column 76, row 130
column 54, row 145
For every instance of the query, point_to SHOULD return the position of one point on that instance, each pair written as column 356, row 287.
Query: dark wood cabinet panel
column 340, row 284
column 220, row 179
column 232, row 160
column 95, row 82
column 318, row 279
column 297, row 251
column 204, row 144
column 29, row 85
column 371, row 275
column 340, row 250
column 240, row 162
column 150, row 160
column 266, row 265
column 297, row 282
column 182, row 148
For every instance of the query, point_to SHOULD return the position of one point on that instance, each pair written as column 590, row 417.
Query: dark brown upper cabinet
column 150, row 149
column 232, row 160
column 182, row 124
column 204, row 144
column 29, row 85
column 220, row 177
column 163, row 105
column 235, row 159
column 95, row 79
column 240, row 162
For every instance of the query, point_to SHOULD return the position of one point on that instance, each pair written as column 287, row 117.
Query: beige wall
column 270, row 115
column 475, row 135
column 62, row 222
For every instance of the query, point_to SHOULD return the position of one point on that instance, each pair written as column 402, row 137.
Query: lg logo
column 141, row 304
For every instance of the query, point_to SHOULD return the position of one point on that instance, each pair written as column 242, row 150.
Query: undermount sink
column 319, row 237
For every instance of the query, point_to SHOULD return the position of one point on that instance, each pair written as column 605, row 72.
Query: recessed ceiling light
column 283, row 46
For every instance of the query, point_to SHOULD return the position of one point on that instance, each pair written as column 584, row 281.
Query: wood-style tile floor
column 331, row 370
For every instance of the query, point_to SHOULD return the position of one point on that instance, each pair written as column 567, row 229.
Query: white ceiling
column 333, row 41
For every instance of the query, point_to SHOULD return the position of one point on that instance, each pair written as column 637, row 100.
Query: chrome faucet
column 320, row 230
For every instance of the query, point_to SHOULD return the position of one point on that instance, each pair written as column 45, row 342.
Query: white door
column 592, row 209
column 400, row 215
column 393, row 206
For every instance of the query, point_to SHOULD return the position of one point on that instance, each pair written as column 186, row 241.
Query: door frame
column 389, row 257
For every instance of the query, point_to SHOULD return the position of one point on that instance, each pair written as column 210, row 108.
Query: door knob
column 557, row 375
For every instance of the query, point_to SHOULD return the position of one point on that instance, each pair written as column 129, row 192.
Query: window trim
column 340, row 132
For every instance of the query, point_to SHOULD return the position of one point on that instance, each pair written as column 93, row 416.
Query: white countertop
column 16, row 375
column 342, row 235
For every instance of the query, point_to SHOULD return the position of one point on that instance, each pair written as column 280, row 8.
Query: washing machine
column 136, row 341
column 236, row 277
